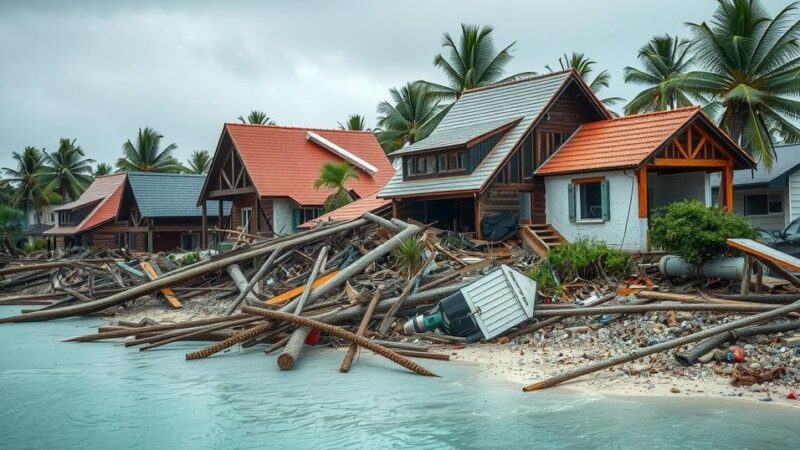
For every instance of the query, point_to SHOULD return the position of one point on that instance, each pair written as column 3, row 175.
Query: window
column 438, row 164
column 589, row 200
column 66, row 217
column 763, row 204
column 190, row 241
column 246, row 214
column 303, row 215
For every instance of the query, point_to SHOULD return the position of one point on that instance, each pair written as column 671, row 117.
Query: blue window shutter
column 297, row 215
column 606, row 199
column 571, row 201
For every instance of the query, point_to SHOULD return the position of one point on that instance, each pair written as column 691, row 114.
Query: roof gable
column 106, row 191
column 525, row 100
column 284, row 162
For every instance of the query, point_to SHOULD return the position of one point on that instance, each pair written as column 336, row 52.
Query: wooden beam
column 478, row 216
column 641, row 183
column 694, row 163
column 221, row 193
column 726, row 188
column 257, row 218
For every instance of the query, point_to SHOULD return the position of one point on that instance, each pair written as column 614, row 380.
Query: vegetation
column 335, row 176
column 696, row 233
column 147, row 155
column 583, row 258
column 750, row 67
column 408, row 256
column 31, row 190
column 471, row 62
column 67, row 170
column 355, row 122
column 257, row 118
column 413, row 114
column 584, row 66
column 10, row 222
column 38, row 244
column 664, row 60
column 102, row 169
column 199, row 162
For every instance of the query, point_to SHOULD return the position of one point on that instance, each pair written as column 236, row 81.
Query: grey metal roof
column 169, row 194
column 454, row 136
column 525, row 99
column 35, row 229
column 786, row 162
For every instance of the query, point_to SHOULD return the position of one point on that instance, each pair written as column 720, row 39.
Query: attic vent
column 342, row 153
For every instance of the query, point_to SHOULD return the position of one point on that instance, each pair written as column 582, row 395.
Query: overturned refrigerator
column 483, row 309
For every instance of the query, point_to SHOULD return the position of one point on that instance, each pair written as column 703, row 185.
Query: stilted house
column 268, row 173
column 142, row 211
column 546, row 153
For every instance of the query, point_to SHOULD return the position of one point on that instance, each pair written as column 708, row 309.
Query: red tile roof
column 107, row 191
column 370, row 203
column 283, row 163
column 616, row 143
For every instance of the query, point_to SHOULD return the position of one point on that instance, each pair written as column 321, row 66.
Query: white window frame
column 246, row 223
column 579, row 207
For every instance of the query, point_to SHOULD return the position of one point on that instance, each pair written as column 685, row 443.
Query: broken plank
column 290, row 294
column 167, row 292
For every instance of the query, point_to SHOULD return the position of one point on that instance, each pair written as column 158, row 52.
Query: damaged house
column 267, row 172
column 546, row 153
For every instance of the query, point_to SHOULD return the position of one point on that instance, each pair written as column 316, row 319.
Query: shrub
column 408, row 256
column 695, row 232
column 545, row 279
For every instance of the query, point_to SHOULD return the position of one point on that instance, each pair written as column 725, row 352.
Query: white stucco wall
column 282, row 216
column 623, row 230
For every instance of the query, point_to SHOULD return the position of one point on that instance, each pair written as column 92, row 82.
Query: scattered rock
column 675, row 390
column 756, row 388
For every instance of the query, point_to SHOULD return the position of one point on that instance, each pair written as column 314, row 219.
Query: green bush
column 695, row 232
column 545, row 279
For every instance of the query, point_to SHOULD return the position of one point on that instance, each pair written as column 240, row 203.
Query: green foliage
column 452, row 240
column 31, row 191
column 102, row 169
column 355, row 122
column 584, row 66
column 664, row 60
column 147, row 155
column 38, row 244
column 546, row 281
column 257, row 118
column 335, row 176
column 582, row 257
column 408, row 256
column 10, row 221
column 411, row 116
column 199, row 162
column 67, row 170
column 190, row 258
column 696, row 233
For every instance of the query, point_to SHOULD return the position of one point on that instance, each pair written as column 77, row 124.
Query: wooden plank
column 710, row 163
column 288, row 295
column 167, row 292
column 762, row 252
column 641, row 182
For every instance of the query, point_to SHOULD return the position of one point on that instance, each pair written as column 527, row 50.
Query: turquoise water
column 103, row 395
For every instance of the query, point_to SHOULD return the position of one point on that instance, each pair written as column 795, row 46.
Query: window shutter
column 606, row 198
column 297, row 215
column 571, row 201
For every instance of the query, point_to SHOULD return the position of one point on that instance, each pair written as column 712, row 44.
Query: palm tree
column 355, row 122
column 6, row 192
column 102, row 169
column 413, row 114
column 584, row 66
column 199, row 162
column 31, row 189
column 335, row 176
column 751, row 66
column 257, row 118
column 471, row 62
column 146, row 155
column 664, row 60
column 67, row 171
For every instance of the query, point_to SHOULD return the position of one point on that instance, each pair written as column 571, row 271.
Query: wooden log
column 189, row 332
column 388, row 318
column 8, row 270
column 662, row 347
column 242, row 284
column 402, row 345
column 638, row 309
column 244, row 292
column 553, row 320
column 343, row 334
column 395, row 228
column 174, row 278
column 362, row 329
column 155, row 328
column 415, row 354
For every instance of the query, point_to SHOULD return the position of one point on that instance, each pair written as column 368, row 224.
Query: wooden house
column 545, row 151
column 268, row 173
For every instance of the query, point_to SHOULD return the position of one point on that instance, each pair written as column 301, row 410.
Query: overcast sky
column 97, row 71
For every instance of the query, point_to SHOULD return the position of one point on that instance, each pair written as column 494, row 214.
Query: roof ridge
column 521, row 80
column 653, row 113
column 297, row 127
column 167, row 173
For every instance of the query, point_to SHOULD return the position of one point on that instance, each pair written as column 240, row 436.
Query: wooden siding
column 477, row 152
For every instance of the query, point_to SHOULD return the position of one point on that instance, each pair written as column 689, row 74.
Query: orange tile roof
column 283, row 163
column 616, row 143
column 370, row 203
column 107, row 190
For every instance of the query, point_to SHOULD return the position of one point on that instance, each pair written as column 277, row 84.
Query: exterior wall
column 623, row 230
column 793, row 198
column 282, row 216
column 669, row 188
column 48, row 217
column 776, row 221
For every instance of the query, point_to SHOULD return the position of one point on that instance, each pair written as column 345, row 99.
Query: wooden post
column 748, row 268
column 257, row 212
column 726, row 188
column 477, row 200
column 219, row 220
column 641, row 183
column 395, row 209
column 204, row 226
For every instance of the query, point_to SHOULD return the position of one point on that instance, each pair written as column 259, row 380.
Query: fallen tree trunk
column 691, row 355
column 245, row 291
column 340, row 333
column 634, row 309
column 553, row 320
column 362, row 329
column 658, row 348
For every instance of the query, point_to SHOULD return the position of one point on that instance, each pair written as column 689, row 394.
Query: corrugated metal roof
column 354, row 210
column 170, row 194
column 283, row 163
column 787, row 160
column 526, row 99
column 457, row 136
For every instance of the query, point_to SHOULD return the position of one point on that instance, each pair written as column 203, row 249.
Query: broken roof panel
column 100, row 188
column 107, row 192
column 494, row 104
column 282, row 162
column 170, row 194
column 354, row 210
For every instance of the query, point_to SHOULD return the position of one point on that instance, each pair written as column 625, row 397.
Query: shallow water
column 103, row 395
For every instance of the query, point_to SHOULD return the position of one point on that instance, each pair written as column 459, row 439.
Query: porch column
column 726, row 188
column 257, row 213
column 220, row 212
column 395, row 209
column 477, row 200
column 204, row 226
column 641, row 183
